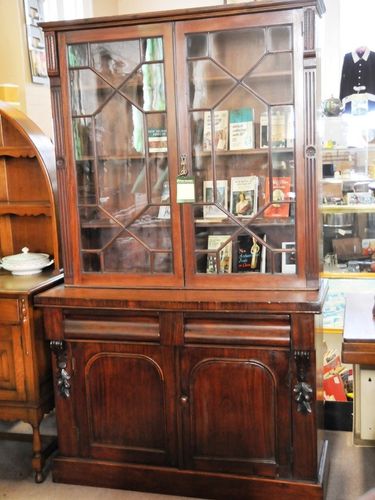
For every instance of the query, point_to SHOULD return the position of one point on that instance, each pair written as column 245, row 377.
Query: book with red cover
column 333, row 386
column 280, row 192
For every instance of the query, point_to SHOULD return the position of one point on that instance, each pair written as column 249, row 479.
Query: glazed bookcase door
column 119, row 92
column 243, row 138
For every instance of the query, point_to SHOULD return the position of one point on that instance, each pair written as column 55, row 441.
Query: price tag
column 185, row 189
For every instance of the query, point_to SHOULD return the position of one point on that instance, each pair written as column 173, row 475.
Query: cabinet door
column 12, row 368
column 241, row 84
column 121, row 149
column 123, row 397
column 235, row 406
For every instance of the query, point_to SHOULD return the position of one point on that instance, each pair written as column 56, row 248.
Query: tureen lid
column 26, row 257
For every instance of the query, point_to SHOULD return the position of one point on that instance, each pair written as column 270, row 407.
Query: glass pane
column 197, row 45
column 249, row 253
column 219, row 257
column 272, row 79
column 117, row 115
column 279, row 38
column 98, row 230
column 86, row 182
column 282, row 127
column 126, row 255
column 115, row 60
column 157, row 133
column 82, row 136
column 88, row 92
column 91, row 262
column 150, row 230
column 121, row 144
column 154, row 49
column 208, row 83
column 242, row 145
column 145, row 87
column 226, row 43
column 163, row 262
column 78, row 55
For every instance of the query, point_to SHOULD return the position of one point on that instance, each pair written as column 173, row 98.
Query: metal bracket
column 58, row 347
column 302, row 390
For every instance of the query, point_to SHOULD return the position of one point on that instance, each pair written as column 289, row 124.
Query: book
column 282, row 128
column 157, row 140
column 212, row 211
column 280, row 192
column 165, row 210
column 263, row 133
column 288, row 259
column 251, row 254
column 215, row 241
column 244, row 195
column 241, row 129
column 220, row 131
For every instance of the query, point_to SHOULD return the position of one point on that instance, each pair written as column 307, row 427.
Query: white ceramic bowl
column 26, row 263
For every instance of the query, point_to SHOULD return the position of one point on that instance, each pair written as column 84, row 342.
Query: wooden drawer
column 9, row 311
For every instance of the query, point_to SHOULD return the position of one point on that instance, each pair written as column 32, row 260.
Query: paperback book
column 215, row 241
column 157, row 140
column 220, row 131
column 241, row 129
column 282, row 128
column 244, row 196
column 251, row 254
column 280, row 193
column 212, row 211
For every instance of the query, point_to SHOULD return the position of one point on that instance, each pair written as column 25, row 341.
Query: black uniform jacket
column 358, row 74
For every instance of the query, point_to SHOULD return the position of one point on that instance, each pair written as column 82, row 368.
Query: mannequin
column 358, row 74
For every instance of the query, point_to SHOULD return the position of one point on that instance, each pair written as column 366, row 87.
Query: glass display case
column 193, row 181
column 348, row 203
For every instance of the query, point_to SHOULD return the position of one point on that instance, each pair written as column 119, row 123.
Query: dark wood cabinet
column 184, row 339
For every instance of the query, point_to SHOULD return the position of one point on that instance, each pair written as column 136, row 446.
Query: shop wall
column 13, row 55
column 15, row 68
column 134, row 6
column 35, row 98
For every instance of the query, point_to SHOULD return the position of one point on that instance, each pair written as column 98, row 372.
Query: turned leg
column 37, row 460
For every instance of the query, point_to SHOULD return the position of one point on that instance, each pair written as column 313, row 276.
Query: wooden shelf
column 343, row 209
column 17, row 152
column 25, row 208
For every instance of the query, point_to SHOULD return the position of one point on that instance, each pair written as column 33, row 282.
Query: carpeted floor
column 352, row 472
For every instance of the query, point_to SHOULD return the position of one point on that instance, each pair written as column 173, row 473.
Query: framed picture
column 288, row 260
column 35, row 40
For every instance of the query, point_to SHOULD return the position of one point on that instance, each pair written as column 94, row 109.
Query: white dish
column 26, row 263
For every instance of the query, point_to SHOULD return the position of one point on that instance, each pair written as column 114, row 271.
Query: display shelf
column 342, row 209
column 16, row 151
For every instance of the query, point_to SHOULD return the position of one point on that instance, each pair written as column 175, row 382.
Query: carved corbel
column 302, row 390
column 58, row 347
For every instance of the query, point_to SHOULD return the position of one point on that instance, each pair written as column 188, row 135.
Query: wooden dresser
column 27, row 218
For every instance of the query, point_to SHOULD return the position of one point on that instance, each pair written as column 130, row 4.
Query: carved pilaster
column 61, row 172
column 58, row 347
column 51, row 53
column 302, row 390
column 311, row 162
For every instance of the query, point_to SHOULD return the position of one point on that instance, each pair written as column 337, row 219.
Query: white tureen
column 25, row 263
